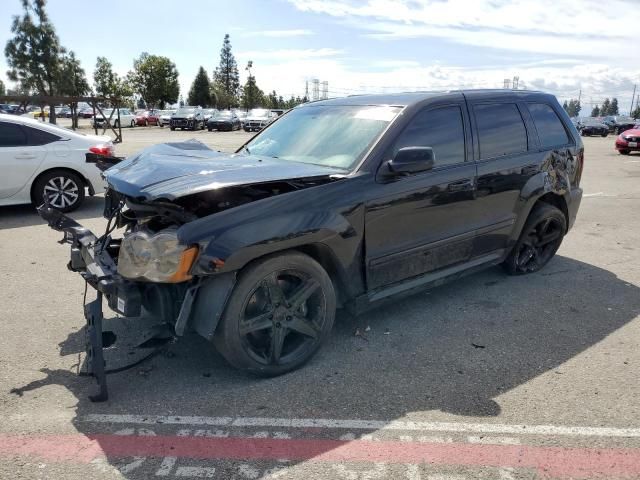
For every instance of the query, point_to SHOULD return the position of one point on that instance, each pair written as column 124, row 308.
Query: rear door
column 506, row 157
column 21, row 153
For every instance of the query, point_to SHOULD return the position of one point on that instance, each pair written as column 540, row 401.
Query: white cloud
column 289, row 54
column 585, row 27
column 279, row 33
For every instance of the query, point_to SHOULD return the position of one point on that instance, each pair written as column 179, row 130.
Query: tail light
column 105, row 150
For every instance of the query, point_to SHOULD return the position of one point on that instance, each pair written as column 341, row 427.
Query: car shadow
column 455, row 349
column 17, row 216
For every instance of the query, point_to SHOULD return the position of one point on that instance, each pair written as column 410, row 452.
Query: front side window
column 331, row 135
column 440, row 128
column 11, row 135
column 550, row 129
column 501, row 130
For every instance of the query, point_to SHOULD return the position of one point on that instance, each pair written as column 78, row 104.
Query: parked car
column 628, row 141
column 86, row 112
column 591, row 126
column 191, row 118
column 257, row 119
column 277, row 111
column 127, row 119
column 6, row 109
column 225, row 120
column 340, row 202
column 64, row 112
column 41, row 159
column 208, row 113
column 165, row 117
column 618, row 123
column 148, row 117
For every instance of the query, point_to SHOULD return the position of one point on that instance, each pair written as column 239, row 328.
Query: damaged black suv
column 342, row 202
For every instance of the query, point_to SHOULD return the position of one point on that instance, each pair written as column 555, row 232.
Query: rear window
column 39, row 137
column 11, row 135
column 501, row 130
column 551, row 131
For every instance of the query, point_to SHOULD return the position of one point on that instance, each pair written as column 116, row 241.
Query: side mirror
column 410, row 160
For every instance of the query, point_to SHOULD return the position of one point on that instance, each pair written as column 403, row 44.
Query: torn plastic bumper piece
column 93, row 260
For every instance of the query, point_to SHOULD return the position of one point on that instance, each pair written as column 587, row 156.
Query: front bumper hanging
column 94, row 261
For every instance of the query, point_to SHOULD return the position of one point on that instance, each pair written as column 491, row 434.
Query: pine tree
column 226, row 79
column 613, row 109
column 252, row 96
column 199, row 94
column 636, row 112
column 605, row 108
column 34, row 52
column 565, row 106
column 596, row 111
column 2, row 90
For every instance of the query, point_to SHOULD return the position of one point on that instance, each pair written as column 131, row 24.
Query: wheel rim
column 283, row 318
column 61, row 192
column 539, row 245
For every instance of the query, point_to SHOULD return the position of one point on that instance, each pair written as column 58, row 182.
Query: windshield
column 224, row 115
column 258, row 112
column 186, row 111
column 334, row 136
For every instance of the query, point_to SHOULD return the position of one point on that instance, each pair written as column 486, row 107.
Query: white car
column 165, row 117
column 127, row 118
column 40, row 159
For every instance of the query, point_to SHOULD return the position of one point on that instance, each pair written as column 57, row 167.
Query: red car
column 628, row 141
column 148, row 117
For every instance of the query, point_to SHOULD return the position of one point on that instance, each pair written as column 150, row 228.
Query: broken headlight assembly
column 155, row 257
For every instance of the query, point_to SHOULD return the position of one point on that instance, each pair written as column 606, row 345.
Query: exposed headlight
column 157, row 257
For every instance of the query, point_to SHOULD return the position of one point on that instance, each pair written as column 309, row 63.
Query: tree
column 181, row 102
column 105, row 81
column 252, row 96
column 635, row 113
column 226, row 79
column 199, row 93
column 34, row 53
column 2, row 90
column 72, row 81
column 572, row 107
column 272, row 100
column 606, row 106
column 613, row 109
column 596, row 111
column 155, row 78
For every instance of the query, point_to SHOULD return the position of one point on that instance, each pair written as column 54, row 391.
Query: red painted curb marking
column 551, row 461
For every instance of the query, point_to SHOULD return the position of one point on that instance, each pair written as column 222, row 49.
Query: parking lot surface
column 490, row 377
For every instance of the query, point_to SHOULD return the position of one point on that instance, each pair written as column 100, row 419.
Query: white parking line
column 597, row 194
column 364, row 425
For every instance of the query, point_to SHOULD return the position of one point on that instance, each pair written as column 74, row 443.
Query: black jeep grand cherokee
column 342, row 202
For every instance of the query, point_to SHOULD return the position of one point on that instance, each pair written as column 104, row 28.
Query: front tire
column 624, row 152
column 539, row 240
column 133, row 123
column 64, row 189
column 279, row 314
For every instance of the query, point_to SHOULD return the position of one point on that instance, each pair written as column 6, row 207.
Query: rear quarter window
column 550, row 128
column 501, row 130
column 39, row 137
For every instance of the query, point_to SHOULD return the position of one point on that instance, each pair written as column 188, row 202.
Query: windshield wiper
column 246, row 149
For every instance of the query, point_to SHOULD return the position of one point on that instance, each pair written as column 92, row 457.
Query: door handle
column 460, row 186
column 25, row 156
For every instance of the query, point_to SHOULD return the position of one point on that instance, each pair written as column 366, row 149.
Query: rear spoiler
column 101, row 161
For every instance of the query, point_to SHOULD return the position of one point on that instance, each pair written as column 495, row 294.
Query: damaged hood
column 173, row 170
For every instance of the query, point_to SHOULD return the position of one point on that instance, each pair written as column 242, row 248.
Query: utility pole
column 633, row 97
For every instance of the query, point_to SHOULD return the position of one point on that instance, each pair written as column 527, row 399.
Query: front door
column 426, row 221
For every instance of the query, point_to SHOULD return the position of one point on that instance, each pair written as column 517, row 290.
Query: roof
column 409, row 98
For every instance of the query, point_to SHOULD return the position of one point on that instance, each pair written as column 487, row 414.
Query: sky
column 369, row 46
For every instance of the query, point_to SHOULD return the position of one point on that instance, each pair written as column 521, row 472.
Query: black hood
column 173, row 170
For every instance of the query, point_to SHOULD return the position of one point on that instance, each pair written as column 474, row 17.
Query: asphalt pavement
column 490, row 377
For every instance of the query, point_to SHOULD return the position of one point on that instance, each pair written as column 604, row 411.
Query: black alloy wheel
column 540, row 239
column 279, row 313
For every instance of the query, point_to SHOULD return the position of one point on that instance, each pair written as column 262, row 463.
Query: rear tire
column 624, row 152
column 172, row 128
column 64, row 189
column 604, row 135
column 539, row 240
column 279, row 314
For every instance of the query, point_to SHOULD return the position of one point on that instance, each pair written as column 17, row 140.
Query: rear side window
column 551, row 131
column 11, row 135
column 439, row 128
column 501, row 130
column 39, row 137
